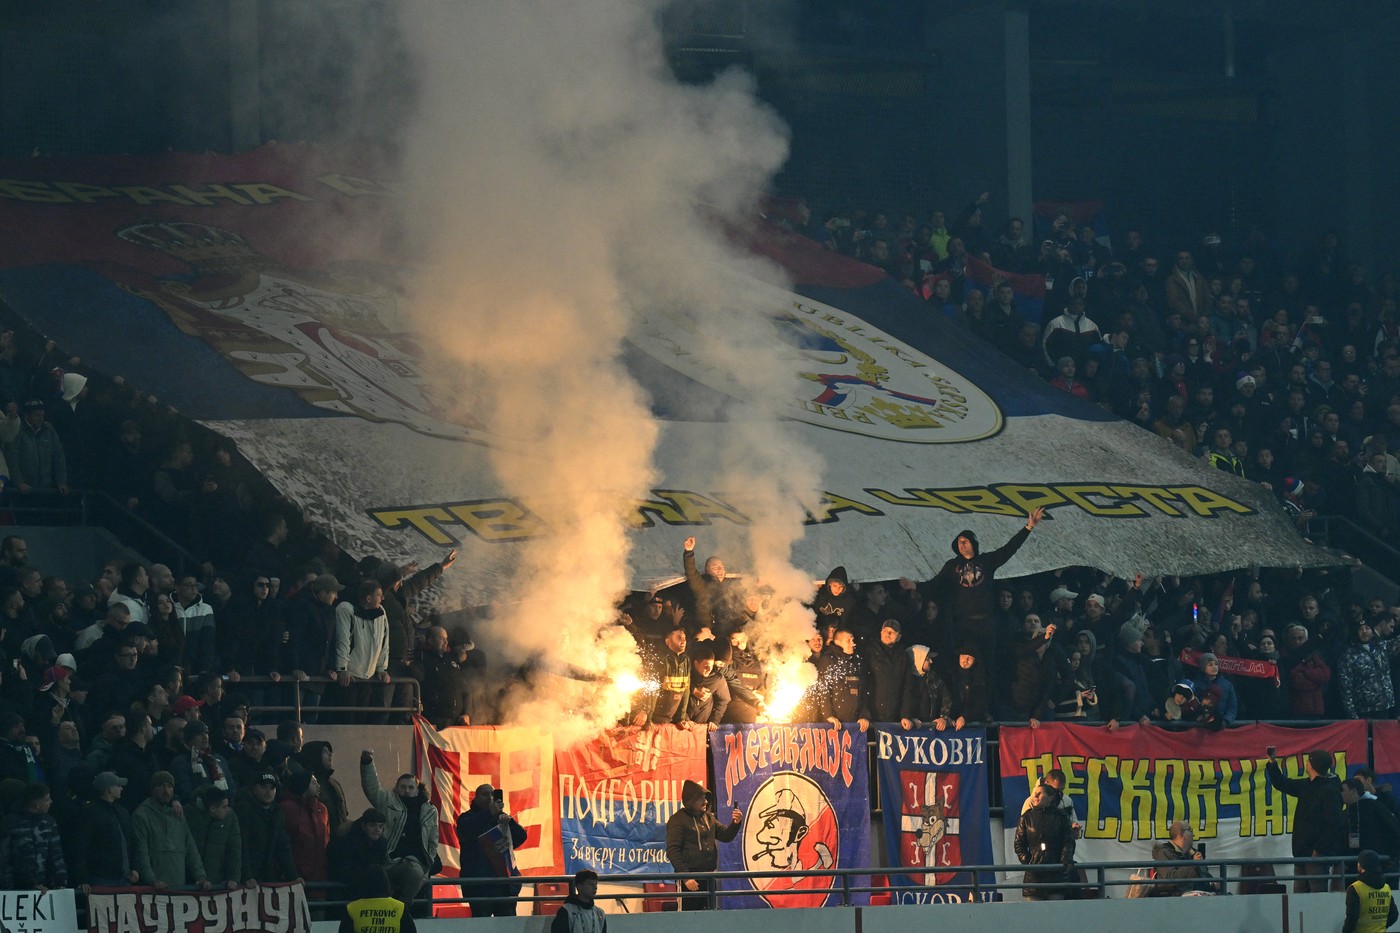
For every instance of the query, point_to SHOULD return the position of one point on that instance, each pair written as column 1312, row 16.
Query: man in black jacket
column 106, row 852
column 488, row 836
column 1319, row 826
column 443, row 677
column 691, row 835
column 847, row 682
column 891, row 670
column 267, row 849
column 309, row 620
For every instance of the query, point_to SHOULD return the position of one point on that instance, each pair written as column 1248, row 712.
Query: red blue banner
column 805, row 794
column 933, row 794
column 1129, row 785
column 617, row 791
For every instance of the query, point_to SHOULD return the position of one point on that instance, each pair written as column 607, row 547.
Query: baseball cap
column 162, row 777
column 268, row 777
column 183, row 704
column 1062, row 592
column 326, row 582
column 108, row 779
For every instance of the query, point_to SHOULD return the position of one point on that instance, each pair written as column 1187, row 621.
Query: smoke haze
column 562, row 186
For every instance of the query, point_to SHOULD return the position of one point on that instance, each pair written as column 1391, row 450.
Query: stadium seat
column 555, row 891
column 1258, row 878
column 656, row 901
column 880, row 898
column 449, row 910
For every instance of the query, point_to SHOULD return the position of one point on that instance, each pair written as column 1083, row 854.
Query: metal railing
column 848, row 884
column 299, row 707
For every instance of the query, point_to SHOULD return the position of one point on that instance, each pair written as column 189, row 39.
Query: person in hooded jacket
column 692, row 834
column 965, row 591
column 1370, row 904
column 318, row 758
column 579, row 913
column 929, row 702
column 1319, row 821
column 834, row 603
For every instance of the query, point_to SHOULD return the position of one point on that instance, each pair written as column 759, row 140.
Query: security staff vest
column 376, row 914
column 1375, row 907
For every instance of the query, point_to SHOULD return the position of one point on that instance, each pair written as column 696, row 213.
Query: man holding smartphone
column 488, row 837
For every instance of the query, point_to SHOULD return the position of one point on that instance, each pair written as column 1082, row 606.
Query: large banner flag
column 616, row 793
column 805, row 794
column 933, row 794
column 517, row 760
column 256, row 909
column 262, row 283
column 1128, row 786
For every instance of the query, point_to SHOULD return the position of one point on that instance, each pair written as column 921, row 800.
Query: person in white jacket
column 361, row 669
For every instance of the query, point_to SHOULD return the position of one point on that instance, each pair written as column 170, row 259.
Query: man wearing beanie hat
column 890, row 672
column 963, row 587
column 1319, row 821
column 166, row 853
column 579, row 914
column 1370, row 903
column 308, row 825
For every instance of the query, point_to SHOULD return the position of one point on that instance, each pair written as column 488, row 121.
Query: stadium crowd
column 1282, row 368
column 134, row 702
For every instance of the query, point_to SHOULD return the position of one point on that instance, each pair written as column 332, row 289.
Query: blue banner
column 805, row 794
column 933, row 793
column 616, row 792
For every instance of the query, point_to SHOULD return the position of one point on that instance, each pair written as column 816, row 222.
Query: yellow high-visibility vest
column 1375, row 907
column 376, row 914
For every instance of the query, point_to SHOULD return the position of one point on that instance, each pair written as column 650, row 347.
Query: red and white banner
column 280, row 907
column 517, row 760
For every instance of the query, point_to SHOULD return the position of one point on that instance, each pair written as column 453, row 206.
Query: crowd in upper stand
column 1281, row 366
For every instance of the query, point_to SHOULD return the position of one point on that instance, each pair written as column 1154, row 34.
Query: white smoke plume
column 561, row 184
